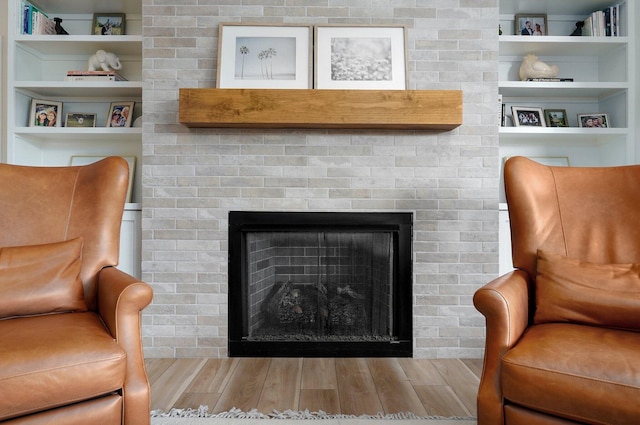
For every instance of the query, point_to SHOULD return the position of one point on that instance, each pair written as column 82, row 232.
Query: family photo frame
column 45, row 113
column 265, row 56
column 524, row 116
column 531, row 24
column 108, row 24
column 595, row 120
column 300, row 56
column 75, row 119
column 556, row 118
column 120, row 114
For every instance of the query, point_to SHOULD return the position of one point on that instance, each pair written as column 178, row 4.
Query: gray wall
column 193, row 178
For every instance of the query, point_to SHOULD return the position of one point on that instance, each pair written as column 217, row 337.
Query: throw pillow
column 570, row 290
column 41, row 279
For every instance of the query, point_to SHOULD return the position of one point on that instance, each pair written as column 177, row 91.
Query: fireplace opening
column 320, row 284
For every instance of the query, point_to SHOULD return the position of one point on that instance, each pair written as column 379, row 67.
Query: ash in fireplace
column 306, row 312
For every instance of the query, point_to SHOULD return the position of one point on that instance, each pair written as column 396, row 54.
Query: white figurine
column 531, row 67
column 105, row 61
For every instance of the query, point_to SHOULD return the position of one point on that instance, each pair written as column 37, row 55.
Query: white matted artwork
column 90, row 159
column 360, row 57
column 264, row 56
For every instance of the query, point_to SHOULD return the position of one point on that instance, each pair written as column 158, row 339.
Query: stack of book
column 34, row 21
column 94, row 76
column 603, row 23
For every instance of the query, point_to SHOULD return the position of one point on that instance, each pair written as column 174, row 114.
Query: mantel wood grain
column 438, row 110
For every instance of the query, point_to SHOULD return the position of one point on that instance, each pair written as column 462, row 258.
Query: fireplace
column 320, row 284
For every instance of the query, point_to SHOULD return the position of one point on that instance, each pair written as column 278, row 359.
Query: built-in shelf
column 439, row 110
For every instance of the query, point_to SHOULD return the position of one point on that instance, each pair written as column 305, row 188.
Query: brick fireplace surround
column 193, row 178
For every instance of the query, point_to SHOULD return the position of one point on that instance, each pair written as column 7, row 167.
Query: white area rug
column 237, row 417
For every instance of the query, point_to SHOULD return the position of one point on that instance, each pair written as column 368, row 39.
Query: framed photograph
column 556, row 118
column 108, row 24
column 45, row 113
column 120, row 114
column 88, row 159
column 360, row 57
column 75, row 119
column 531, row 24
column 265, row 56
column 593, row 120
column 527, row 116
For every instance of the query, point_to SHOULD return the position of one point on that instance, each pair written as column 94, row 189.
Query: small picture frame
column 524, row 116
column 360, row 57
column 269, row 56
column 556, row 118
column 596, row 120
column 80, row 119
column 120, row 114
column 108, row 24
column 45, row 113
column 531, row 24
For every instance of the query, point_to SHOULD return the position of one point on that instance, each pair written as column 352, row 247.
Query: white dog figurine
column 105, row 61
column 531, row 67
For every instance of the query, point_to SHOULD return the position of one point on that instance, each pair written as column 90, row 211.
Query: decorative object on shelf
column 499, row 29
column 556, row 118
column 106, row 61
column 108, row 24
column 88, row 159
column 59, row 29
column 260, row 55
column 578, row 31
column 531, row 67
column 595, row 120
column 527, row 116
column 94, row 76
column 45, row 113
column 75, row 119
column 360, row 57
column 531, row 25
column 120, row 114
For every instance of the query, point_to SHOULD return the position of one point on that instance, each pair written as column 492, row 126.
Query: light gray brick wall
column 193, row 178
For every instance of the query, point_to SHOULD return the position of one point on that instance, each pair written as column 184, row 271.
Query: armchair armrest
column 121, row 298
column 505, row 304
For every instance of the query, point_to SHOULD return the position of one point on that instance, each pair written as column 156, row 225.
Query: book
column 34, row 20
column 80, row 75
column 554, row 80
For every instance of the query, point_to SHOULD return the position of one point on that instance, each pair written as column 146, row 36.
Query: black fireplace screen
column 320, row 284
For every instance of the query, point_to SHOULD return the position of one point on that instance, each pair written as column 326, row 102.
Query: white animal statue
column 105, row 61
column 531, row 67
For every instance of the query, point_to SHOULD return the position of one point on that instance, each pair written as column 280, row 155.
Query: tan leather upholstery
column 564, row 372
column 84, row 366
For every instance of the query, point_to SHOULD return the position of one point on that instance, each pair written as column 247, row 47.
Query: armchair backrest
column 589, row 213
column 40, row 205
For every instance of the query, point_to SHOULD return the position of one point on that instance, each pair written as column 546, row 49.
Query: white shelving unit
column 602, row 69
column 36, row 69
column 604, row 72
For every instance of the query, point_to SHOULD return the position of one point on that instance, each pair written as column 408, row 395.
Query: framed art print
column 360, row 57
column 45, row 113
column 264, row 56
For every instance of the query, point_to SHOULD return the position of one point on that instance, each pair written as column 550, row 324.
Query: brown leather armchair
column 70, row 340
column 563, row 329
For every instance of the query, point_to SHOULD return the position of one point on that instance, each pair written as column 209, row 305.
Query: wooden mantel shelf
column 439, row 110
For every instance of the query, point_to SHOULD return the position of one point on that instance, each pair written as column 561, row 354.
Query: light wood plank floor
column 443, row 387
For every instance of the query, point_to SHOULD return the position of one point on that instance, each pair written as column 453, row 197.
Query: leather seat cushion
column 583, row 373
column 54, row 360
